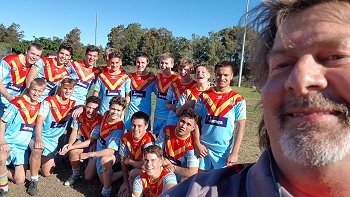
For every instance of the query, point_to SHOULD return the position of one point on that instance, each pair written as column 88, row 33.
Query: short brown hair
column 155, row 149
column 118, row 100
column 165, row 56
column 38, row 82
column 185, row 62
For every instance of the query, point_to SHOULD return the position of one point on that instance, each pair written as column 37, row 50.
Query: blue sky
column 39, row 18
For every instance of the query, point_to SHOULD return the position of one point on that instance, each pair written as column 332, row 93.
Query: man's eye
column 335, row 57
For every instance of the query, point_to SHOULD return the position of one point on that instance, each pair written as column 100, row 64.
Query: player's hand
column 64, row 149
column 124, row 190
column 5, row 147
column 201, row 150
column 39, row 144
column 166, row 162
column 231, row 159
column 170, row 168
column 127, row 161
column 76, row 113
column 83, row 156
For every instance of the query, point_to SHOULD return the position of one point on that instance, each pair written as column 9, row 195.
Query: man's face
column 91, row 58
column 32, row 55
column 116, row 111
column 184, row 71
column 139, row 128
column 91, row 109
column 141, row 64
column 152, row 164
column 185, row 125
column 165, row 65
column 66, row 91
column 63, row 56
column 306, row 97
column 202, row 75
column 223, row 76
column 34, row 92
column 115, row 64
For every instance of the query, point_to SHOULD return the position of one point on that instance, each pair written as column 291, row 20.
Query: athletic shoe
column 3, row 193
column 71, row 180
column 33, row 188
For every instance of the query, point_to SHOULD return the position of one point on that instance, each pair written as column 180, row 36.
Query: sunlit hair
column 92, row 48
column 107, row 52
column 190, row 114
column 69, row 81
column 93, row 99
column 140, row 115
column 224, row 64
column 67, row 46
column 155, row 149
column 118, row 100
column 185, row 62
column 266, row 18
column 166, row 56
column 115, row 54
column 35, row 45
column 38, row 82
column 202, row 65
column 144, row 55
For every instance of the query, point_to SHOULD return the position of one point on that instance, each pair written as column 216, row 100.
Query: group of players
column 196, row 127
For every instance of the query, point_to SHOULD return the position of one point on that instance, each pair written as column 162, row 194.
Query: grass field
column 53, row 185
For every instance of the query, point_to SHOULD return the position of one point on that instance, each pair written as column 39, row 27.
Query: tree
column 50, row 46
column 11, row 34
column 181, row 48
column 73, row 37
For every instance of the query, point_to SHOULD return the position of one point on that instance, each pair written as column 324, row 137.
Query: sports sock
column 76, row 171
column 4, row 182
column 35, row 178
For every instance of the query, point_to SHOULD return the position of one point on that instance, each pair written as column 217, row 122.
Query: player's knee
column 2, row 161
column 36, row 153
column 106, row 161
column 19, row 180
column 46, row 173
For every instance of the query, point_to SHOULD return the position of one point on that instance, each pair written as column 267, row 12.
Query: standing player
column 176, row 140
column 112, row 83
column 132, row 144
column 177, row 88
column 108, row 139
column 220, row 109
column 83, row 73
column 53, row 70
column 51, row 124
column 13, row 71
column 16, row 127
column 155, row 180
column 164, row 80
column 142, row 85
column 80, row 139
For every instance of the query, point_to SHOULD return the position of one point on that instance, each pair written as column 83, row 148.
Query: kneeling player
column 178, row 146
column 80, row 139
column 155, row 180
column 16, row 127
column 108, row 135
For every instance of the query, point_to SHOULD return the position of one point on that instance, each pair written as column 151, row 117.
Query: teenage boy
column 14, row 69
column 132, row 144
column 51, row 124
column 142, row 85
column 108, row 139
column 177, row 88
column 80, row 139
column 16, row 128
column 176, row 140
column 53, row 70
column 163, row 82
column 112, row 83
column 155, row 180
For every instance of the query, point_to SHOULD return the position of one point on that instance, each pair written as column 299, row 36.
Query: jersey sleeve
column 9, row 113
column 160, row 139
column 169, row 179
column 39, row 64
column 170, row 94
column 192, row 160
column 75, row 124
column 199, row 107
column 137, row 185
column 127, row 85
column 44, row 108
column 182, row 100
column 240, row 110
column 5, row 69
column 98, row 85
column 114, row 141
column 96, row 132
column 123, row 150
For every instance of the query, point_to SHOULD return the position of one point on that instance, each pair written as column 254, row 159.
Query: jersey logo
column 113, row 82
column 28, row 111
column 59, row 111
column 19, row 71
column 141, row 82
column 163, row 83
column 53, row 73
column 85, row 74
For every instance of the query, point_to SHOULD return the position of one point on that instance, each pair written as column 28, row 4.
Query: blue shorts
column 127, row 122
column 18, row 157
column 99, row 167
column 50, row 148
column 158, row 126
column 214, row 160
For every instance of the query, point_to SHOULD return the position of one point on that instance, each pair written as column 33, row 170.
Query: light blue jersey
column 140, row 96
column 56, row 117
column 109, row 86
column 13, row 72
column 52, row 74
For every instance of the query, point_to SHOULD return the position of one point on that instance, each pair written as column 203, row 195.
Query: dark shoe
column 33, row 188
column 71, row 180
column 3, row 193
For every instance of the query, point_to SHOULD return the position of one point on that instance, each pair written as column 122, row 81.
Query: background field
column 53, row 186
